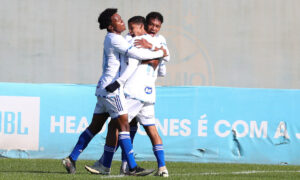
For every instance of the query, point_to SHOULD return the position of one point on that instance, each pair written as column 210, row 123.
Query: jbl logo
column 11, row 123
column 19, row 122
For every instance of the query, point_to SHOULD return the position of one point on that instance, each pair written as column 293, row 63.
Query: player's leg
column 110, row 144
column 104, row 164
column 146, row 118
column 133, row 129
column 115, row 108
column 87, row 135
column 118, row 111
column 158, row 150
column 134, row 106
column 98, row 120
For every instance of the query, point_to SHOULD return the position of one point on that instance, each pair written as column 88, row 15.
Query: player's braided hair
column 104, row 18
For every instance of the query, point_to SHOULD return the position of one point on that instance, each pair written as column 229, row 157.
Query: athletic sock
column 101, row 158
column 124, row 165
column 126, row 145
column 107, row 156
column 81, row 144
column 159, row 154
column 133, row 130
column 123, row 156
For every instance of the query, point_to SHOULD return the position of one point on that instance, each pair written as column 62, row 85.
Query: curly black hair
column 104, row 18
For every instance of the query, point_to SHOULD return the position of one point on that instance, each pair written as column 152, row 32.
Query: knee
column 112, row 124
column 133, row 123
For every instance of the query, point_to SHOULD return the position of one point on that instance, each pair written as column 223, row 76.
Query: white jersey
column 141, row 84
column 115, row 48
column 161, row 41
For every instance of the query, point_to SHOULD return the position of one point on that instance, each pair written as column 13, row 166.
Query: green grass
column 52, row 169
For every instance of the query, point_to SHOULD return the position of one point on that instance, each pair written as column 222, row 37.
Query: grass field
column 52, row 169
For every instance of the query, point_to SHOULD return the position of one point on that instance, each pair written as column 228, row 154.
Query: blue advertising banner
column 197, row 124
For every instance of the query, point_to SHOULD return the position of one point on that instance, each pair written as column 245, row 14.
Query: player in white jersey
column 140, row 91
column 154, row 21
column 115, row 46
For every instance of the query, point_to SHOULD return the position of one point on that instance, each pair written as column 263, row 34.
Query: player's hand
column 142, row 43
column 112, row 87
column 164, row 50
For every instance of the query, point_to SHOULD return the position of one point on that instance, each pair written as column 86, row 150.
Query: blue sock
column 101, row 159
column 81, row 144
column 159, row 154
column 125, row 143
column 133, row 130
column 107, row 156
column 123, row 157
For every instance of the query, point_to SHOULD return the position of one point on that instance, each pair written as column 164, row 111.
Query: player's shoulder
column 148, row 37
column 145, row 36
column 161, row 38
column 128, row 37
column 114, row 37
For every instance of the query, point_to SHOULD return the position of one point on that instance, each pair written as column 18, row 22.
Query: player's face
column 117, row 23
column 153, row 27
column 135, row 29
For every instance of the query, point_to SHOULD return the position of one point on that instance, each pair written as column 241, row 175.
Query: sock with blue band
column 126, row 146
column 81, row 144
column 159, row 154
column 133, row 130
column 107, row 156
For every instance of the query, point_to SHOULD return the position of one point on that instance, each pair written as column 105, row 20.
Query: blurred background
column 232, row 43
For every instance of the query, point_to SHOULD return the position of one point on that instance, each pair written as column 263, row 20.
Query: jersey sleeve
column 162, row 69
column 143, row 54
column 120, row 44
column 131, row 67
column 123, row 47
column 164, row 44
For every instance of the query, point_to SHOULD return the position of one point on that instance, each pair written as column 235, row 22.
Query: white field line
column 209, row 173
column 110, row 176
column 233, row 173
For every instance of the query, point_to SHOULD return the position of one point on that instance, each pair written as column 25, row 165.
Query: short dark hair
column 154, row 15
column 104, row 18
column 137, row 20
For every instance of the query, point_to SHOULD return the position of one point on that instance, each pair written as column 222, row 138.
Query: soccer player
column 154, row 21
column 146, row 92
column 115, row 47
column 140, row 91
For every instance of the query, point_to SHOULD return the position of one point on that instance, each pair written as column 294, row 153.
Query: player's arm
column 164, row 45
column 162, row 69
column 131, row 67
column 143, row 43
column 123, row 47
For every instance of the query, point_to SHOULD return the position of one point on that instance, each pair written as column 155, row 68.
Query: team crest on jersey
column 148, row 90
